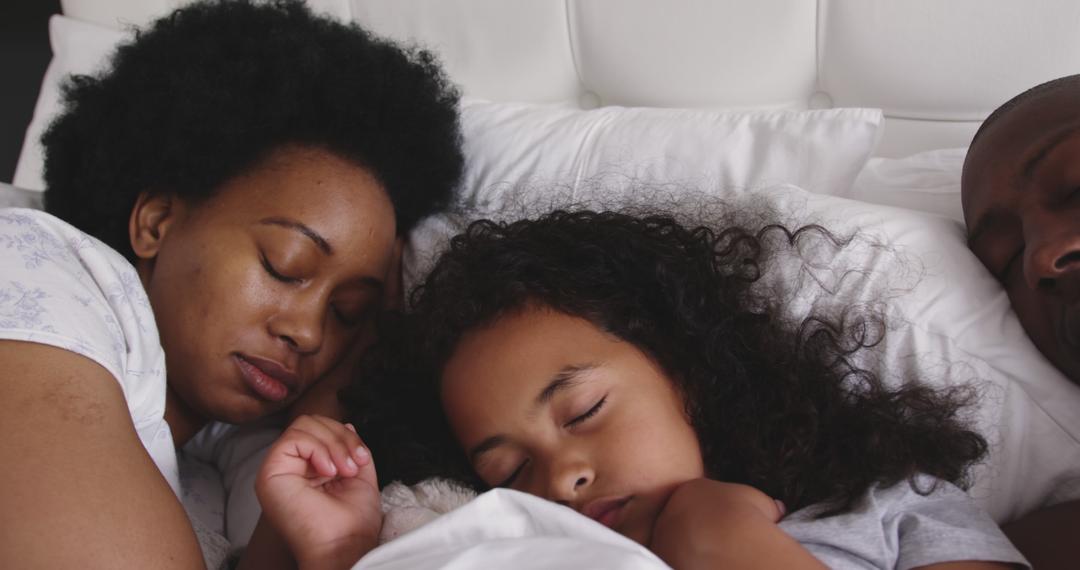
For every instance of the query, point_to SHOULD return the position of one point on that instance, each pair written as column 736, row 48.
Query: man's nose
column 1051, row 252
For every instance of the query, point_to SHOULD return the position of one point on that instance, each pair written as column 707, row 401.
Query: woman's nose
column 300, row 325
column 1052, row 251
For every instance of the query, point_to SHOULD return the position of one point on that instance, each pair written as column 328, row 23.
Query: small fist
column 318, row 489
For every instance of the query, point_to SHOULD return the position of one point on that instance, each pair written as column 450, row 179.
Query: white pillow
column 78, row 47
column 508, row 145
column 950, row 322
column 12, row 197
column 520, row 157
column 928, row 181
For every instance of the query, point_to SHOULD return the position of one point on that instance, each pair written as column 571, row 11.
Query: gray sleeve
column 896, row 527
column 948, row 526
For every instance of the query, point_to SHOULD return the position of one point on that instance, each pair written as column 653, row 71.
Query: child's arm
column 319, row 494
column 710, row 524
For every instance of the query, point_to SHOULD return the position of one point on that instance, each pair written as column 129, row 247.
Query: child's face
column 546, row 403
column 1021, row 196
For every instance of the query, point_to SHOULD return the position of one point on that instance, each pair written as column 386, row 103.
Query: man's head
column 1021, row 199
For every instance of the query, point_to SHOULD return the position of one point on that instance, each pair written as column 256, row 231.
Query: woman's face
column 260, row 290
column 549, row 404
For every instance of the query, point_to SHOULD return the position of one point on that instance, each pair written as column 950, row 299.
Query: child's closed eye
column 513, row 476
column 577, row 420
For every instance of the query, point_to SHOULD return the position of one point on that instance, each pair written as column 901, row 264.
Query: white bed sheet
column 508, row 529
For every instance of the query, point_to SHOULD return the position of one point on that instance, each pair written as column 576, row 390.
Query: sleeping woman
column 630, row 368
column 224, row 203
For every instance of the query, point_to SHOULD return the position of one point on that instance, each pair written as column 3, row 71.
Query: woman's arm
column 710, row 524
column 79, row 489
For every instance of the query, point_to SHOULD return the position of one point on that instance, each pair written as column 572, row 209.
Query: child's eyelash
column 510, row 480
column 592, row 412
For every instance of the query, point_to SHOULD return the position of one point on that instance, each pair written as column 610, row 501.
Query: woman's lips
column 606, row 511
column 269, row 380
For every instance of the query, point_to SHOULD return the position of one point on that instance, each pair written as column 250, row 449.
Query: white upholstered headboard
column 936, row 67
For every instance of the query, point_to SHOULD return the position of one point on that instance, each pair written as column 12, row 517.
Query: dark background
column 24, row 55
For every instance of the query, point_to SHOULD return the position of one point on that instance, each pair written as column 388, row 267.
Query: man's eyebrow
column 1035, row 157
column 320, row 241
column 565, row 378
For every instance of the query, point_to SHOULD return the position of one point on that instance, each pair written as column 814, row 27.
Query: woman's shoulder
column 64, row 288
column 37, row 246
column 40, row 239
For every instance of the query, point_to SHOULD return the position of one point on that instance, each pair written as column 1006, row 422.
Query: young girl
column 629, row 368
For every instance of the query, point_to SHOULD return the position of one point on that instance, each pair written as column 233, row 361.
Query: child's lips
column 606, row 511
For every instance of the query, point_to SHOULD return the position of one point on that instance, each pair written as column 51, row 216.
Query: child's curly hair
column 206, row 93
column 777, row 406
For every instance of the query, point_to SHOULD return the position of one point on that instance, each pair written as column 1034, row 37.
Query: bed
column 866, row 105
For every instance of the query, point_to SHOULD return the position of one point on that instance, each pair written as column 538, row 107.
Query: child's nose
column 568, row 478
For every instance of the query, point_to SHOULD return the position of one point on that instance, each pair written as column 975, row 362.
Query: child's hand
column 707, row 524
column 318, row 489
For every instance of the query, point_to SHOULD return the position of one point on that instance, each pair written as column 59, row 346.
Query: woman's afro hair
column 206, row 93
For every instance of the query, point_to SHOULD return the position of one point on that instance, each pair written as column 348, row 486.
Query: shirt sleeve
column 947, row 526
column 901, row 527
column 63, row 288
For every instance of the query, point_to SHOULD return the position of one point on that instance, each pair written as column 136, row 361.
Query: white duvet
column 508, row 529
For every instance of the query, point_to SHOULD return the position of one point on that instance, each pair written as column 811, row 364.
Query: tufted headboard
column 936, row 67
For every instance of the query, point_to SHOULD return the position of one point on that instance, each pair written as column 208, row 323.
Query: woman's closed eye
column 269, row 267
column 351, row 317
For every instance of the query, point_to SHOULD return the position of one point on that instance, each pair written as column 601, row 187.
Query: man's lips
column 268, row 379
column 605, row 511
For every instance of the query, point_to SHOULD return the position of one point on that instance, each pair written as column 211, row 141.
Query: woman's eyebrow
column 566, row 377
column 320, row 241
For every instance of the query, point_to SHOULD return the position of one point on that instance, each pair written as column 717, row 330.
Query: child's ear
column 151, row 218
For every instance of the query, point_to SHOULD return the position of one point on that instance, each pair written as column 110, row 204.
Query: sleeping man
column 1021, row 199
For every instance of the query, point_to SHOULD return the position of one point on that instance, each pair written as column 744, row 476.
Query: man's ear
column 150, row 220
